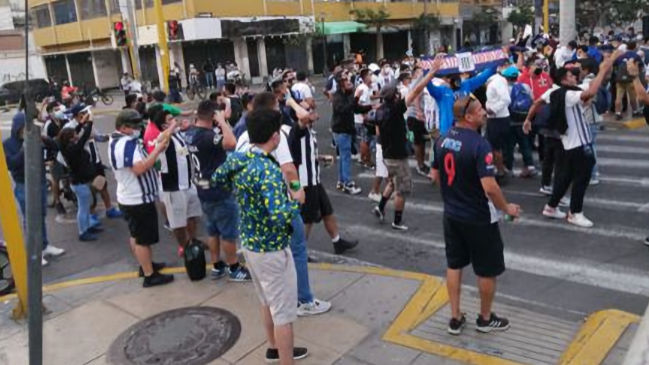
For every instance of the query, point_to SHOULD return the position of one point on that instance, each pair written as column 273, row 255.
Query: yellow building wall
column 44, row 37
column 68, row 33
column 98, row 28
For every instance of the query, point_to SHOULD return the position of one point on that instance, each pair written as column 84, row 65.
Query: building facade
column 77, row 41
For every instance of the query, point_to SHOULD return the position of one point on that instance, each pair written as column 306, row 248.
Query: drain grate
column 189, row 336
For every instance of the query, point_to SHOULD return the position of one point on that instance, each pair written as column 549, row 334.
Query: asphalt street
column 552, row 266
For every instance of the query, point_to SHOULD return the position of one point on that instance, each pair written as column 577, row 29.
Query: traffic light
column 174, row 30
column 120, row 34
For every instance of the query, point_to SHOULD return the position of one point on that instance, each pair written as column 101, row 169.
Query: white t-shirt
column 364, row 99
column 302, row 91
column 282, row 153
column 578, row 132
column 125, row 152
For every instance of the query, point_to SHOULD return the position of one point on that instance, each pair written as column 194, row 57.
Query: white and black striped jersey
column 304, row 150
column 578, row 132
column 124, row 152
column 176, row 165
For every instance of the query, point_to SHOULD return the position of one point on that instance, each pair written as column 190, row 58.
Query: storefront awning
column 340, row 27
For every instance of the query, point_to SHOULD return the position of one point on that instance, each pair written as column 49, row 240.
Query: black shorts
column 316, row 204
column 479, row 244
column 142, row 222
column 100, row 169
column 418, row 129
column 498, row 132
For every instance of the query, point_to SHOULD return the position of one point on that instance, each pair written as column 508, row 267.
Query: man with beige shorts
column 266, row 215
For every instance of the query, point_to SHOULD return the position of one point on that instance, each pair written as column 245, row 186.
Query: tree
column 377, row 19
column 483, row 20
column 427, row 23
column 521, row 16
column 591, row 13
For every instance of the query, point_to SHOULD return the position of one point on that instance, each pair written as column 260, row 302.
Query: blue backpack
column 521, row 101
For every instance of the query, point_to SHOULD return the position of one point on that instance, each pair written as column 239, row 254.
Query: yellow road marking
column 592, row 343
column 634, row 123
column 597, row 336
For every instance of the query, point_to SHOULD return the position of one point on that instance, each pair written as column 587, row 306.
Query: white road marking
column 613, row 277
column 623, row 137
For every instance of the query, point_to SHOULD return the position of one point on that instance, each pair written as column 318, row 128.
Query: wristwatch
column 294, row 185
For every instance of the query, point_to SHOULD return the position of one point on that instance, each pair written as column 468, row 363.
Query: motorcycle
column 94, row 96
column 7, row 283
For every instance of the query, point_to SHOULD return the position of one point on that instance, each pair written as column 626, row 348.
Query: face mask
column 59, row 114
column 136, row 134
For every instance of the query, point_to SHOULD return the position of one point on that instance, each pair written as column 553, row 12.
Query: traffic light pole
column 162, row 44
column 132, row 39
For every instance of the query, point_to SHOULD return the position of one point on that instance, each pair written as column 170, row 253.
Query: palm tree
column 377, row 19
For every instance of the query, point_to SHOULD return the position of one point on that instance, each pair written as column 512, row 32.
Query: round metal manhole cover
column 190, row 336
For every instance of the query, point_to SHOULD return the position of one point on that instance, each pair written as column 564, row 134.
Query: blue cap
column 77, row 108
column 510, row 72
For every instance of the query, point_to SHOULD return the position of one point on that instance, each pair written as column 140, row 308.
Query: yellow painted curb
column 592, row 343
column 597, row 336
column 634, row 123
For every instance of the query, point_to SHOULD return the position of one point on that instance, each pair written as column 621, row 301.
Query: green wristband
column 295, row 185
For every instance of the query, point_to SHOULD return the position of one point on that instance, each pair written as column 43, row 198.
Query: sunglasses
column 468, row 103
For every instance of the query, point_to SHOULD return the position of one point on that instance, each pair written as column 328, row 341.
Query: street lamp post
column 324, row 44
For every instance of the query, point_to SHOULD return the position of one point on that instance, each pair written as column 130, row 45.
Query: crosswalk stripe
column 602, row 230
column 623, row 137
column 580, row 271
column 608, row 148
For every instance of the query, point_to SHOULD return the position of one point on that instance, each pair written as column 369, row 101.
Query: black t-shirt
column 206, row 148
column 462, row 158
column 237, row 109
column 392, row 127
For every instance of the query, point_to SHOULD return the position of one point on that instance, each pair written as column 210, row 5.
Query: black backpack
column 194, row 257
column 622, row 74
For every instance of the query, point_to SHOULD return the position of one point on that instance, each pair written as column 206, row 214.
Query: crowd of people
column 248, row 164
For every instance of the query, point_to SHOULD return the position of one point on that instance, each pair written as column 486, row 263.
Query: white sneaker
column 564, row 202
column 53, row 251
column 554, row 213
column 594, row 181
column 314, row 308
column 43, row 262
column 375, row 197
column 546, row 190
column 580, row 220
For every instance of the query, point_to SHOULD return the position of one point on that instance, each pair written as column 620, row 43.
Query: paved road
column 552, row 266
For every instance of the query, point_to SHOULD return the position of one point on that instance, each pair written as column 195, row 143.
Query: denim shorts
column 222, row 218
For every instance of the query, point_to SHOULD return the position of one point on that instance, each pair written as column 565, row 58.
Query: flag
column 467, row 62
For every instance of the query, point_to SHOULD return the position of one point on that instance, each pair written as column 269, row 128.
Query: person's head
column 567, row 76
column 230, row 88
column 588, row 66
column 265, row 100
column 246, row 101
column 631, row 45
column 131, row 101
column 159, row 96
column 582, row 52
column 572, row 45
column 65, row 137
column 56, row 110
column 159, row 116
column 205, row 111
column 366, row 76
column 279, row 88
column 263, row 128
column 301, row 76
column 631, row 30
column 469, row 111
column 125, row 75
column 405, row 78
column 417, row 72
column 66, row 83
column 511, row 74
column 129, row 122
column 345, row 84
column 593, row 41
column 390, row 94
column 79, row 111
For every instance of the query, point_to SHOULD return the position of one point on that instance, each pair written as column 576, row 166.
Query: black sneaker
column 219, row 270
column 455, row 326
column 157, row 266
column 494, row 323
column 95, row 230
column 351, row 189
column 379, row 214
column 342, row 245
column 646, row 241
column 423, row 170
column 272, row 355
column 157, row 279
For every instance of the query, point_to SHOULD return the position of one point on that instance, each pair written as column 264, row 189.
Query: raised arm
column 597, row 82
column 414, row 93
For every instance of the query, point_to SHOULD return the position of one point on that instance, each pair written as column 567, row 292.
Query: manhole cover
column 191, row 336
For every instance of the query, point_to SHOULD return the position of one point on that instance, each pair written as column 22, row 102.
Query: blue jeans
column 19, row 193
column 594, row 129
column 209, row 79
column 298, row 247
column 84, row 200
column 344, row 143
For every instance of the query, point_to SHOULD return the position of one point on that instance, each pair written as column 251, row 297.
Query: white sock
column 336, row 239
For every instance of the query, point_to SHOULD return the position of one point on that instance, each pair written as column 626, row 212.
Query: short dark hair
column 51, row 105
column 130, row 98
column 262, row 123
column 593, row 40
column 560, row 74
column 572, row 44
column 246, row 99
column 205, row 110
column 215, row 95
column 230, row 88
column 158, row 115
column 589, row 65
column 364, row 73
column 403, row 76
column 159, row 96
column 630, row 45
column 264, row 100
column 301, row 76
column 584, row 49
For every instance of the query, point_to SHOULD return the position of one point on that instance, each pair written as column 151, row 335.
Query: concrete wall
column 107, row 67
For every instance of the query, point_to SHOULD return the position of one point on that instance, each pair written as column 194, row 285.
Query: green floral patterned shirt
column 266, row 212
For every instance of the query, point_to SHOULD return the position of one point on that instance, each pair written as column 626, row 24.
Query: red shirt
column 151, row 133
column 539, row 84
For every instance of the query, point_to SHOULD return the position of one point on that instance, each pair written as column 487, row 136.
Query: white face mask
column 136, row 134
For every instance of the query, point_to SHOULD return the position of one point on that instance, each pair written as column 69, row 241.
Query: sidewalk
column 379, row 316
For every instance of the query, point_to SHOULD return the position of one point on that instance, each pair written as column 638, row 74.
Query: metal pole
column 133, row 46
column 162, row 45
column 33, row 215
column 546, row 16
column 325, row 69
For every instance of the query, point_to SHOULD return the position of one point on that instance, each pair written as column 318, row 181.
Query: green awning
column 339, row 27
